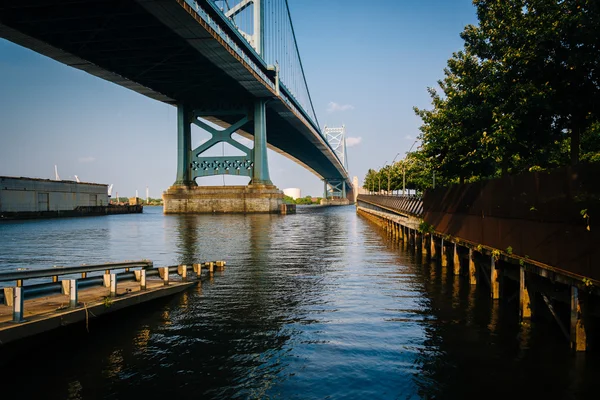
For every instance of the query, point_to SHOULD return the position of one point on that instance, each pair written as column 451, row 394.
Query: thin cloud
column 333, row 107
column 353, row 141
column 408, row 137
column 87, row 159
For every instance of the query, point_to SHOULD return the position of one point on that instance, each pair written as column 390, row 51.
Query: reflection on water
column 320, row 304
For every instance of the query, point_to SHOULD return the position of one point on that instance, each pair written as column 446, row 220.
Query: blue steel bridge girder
column 184, row 144
column 261, row 162
column 253, row 164
column 334, row 188
column 224, row 165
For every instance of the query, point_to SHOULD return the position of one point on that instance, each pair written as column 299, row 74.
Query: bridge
column 228, row 66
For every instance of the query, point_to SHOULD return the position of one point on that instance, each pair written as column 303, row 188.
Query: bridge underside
column 162, row 49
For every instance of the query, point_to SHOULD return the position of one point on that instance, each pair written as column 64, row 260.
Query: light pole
column 379, row 176
column 389, row 170
column 404, row 169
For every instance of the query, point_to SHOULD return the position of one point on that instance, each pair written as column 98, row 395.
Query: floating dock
column 44, row 306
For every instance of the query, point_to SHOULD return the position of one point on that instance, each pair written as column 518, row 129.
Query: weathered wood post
column 524, row 300
column 495, row 279
column 578, row 335
column 432, row 250
column 18, row 299
column 70, row 287
column 164, row 274
column 197, row 270
column 142, row 279
column 472, row 268
column 444, row 254
column 113, row 285
column 182, row 271
column 456, row 260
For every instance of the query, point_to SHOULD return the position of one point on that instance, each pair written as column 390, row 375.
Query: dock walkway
column 42, row 307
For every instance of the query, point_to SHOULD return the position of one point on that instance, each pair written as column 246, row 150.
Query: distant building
column 37, row 196
column 294, row 193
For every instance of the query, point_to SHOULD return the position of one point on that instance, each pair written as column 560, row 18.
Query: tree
column 521, row 95
column 370, row 182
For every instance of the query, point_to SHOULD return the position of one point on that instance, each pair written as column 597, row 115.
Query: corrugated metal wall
column 32, row 195
column 537, row 214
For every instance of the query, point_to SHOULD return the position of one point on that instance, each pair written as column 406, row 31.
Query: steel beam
column 260, row 173
column 184, row 146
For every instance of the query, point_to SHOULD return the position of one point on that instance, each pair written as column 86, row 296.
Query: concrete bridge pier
column 334, row 193
column 259, row 196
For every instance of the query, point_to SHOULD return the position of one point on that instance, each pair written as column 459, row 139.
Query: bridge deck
column 164, row 50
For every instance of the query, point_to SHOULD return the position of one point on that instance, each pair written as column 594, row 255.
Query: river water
column 316, row 305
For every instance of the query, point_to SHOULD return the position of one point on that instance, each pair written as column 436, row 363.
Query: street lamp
column 404, row 169
column 379, row 176
column 392, row 165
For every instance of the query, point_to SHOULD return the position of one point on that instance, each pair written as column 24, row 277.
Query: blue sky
column 366, row 63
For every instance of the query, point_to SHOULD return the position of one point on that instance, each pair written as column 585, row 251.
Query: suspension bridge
column 230, row 66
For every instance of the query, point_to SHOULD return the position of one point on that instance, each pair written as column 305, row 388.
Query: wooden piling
column 472, row 268
column 142, row 279
column 432, row 249
column 578, row 335
column 182, row 271
column 444, row 254
column 113, row 285
column 164, row 274
column 524, row 300
column 494, row 279
column 456, row 260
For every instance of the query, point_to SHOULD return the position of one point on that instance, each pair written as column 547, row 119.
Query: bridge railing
column 278, row 43
column 407, row 204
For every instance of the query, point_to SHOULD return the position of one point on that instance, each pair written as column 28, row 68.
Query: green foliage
column 107, row 301
column 479, row 248
column 586, row 216
column 152, row 202
column 414, row 172
column 425, row 227
column 521, row 95
column 307, row 200
column 496, row 254
column 509, row 250
column 288, row 200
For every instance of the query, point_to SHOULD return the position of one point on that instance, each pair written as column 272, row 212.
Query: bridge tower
column 185, row 196
column 336, row 137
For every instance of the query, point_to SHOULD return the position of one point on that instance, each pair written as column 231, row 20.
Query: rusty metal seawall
column 537, row 215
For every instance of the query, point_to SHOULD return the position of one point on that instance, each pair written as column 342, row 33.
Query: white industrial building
column 294, row 193
column 27, row 195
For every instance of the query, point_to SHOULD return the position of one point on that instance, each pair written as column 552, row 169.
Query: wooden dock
column 25, row 314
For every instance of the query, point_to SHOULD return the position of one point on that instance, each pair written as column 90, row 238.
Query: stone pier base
column 335, row 202
column 222, row 199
